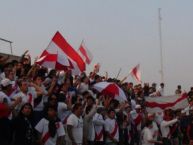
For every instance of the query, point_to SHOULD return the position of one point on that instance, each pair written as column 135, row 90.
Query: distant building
column 11, row 57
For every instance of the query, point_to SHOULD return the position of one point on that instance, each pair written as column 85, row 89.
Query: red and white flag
column 111, row 89
column 59, row 55
column 136, row 74
column 85, row 53
column 158, row 104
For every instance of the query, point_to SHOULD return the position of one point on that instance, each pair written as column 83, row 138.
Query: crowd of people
column 49, row 107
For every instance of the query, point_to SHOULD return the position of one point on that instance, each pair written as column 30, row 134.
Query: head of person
column 167, row 115
column 38, row 80
column 52, row 73
column 26, row 59
column 77, row 109
column 100, row 109
column 51, row 116
column 23, row 85
column 86, row 94
column 90, row 100
column 97, row 78
column 127, row 107
column 85, row 79
column 6, row 85
column 151, row 116
column 50, row 112
column 111, row 113
column 26, row 110
column 149, row 124
column 11, row 75
column 154, row 85
column 88, row 109
column 66, row 85
column 162, row 85
column 53, row 100
column 7, row 68
column 179, row 87
column 130, row 85
column 138, row 108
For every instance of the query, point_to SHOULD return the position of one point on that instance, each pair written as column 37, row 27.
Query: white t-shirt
column 26, row 98
column 62, row 108
column 99, row 122
column 42, row 127
column 77, row 130
column 83, row 87
column 146, row 135
column 164, row 127
column 40, row 105
column 133, row 104
column 109, row 127
column 154, row 130
column 4, row 97
column 134, row 115
column 159, row 117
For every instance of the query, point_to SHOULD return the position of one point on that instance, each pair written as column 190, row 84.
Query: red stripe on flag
column 165, row 105
column 70, row 52
column 47, row 57
column 61, row 67
column 83, row 51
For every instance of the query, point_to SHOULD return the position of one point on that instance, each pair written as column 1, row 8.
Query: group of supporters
column 41, row 107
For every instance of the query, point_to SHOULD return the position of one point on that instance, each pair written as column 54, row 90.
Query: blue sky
column 119, row 33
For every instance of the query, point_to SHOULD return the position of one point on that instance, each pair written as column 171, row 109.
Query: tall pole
column 10, row 42
column 118, row 73
column 11, row 47
column 161, row 47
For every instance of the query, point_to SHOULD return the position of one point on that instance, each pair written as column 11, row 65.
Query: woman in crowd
column 50, row 129
column 23, row 130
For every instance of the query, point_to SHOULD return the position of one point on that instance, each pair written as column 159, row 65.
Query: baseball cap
column 138, row 106
column 5, row 82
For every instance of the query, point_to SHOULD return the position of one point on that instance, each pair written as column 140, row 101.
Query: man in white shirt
column 46, row 126
column 111, row 129
column 154, row 129
column 165, row 129
column 75, row 125
column 147, row 136
column 137, row 119
column 161, row 90
column 88, row 126
column 6, row 87
column 28, row 92
column 99, row 123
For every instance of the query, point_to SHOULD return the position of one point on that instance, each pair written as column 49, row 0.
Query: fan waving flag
column 111, row 89
column 60, row 54
column 85, row 53
column 158, row 104
column 135, row 73
column 53, row 60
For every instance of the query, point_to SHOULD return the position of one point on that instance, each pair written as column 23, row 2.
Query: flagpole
column 118, row 73
column 161, row 46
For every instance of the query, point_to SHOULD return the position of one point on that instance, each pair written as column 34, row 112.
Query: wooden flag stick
column 118, row 73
